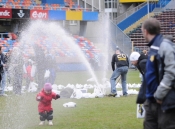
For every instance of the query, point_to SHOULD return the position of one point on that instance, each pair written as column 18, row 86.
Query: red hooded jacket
column 45, row 101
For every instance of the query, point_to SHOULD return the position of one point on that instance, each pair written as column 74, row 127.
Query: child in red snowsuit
column 44, row 107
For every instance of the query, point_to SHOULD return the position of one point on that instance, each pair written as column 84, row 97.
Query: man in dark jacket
column 51, row 66
column 139, row 60
column 40, row 60
column 17, row 65
column 3, row 72
column 160, row 76
column 121, row 61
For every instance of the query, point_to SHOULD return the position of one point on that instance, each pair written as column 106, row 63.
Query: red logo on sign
column 5, row 13
column 39, row 14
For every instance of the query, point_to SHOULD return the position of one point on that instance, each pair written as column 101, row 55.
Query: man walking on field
column 121, row 61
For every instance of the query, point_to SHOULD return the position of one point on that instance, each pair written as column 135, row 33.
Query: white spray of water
column 105, row 41
column 106, row 44
column 52, row 36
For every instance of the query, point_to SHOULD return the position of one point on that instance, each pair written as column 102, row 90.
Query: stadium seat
column 167, row 20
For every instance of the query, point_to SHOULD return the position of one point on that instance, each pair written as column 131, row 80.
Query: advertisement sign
column 5, row 13
column 39, row 14
column 20, row 13
column 90, row 16
column 57, row 15
column 74, row 15
column 134, row 1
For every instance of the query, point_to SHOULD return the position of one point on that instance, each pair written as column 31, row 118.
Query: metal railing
column 120, row 38
column 128, row 13
column 123, row 41
column 91, row 2
column 163, row 6
column 2, row 35
column 162, row 3
column 170, row 5
column 108, row 32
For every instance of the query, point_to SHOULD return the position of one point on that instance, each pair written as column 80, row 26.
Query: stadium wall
column 73, row 29
column 162, row 3
column 124, row 7
column 83, row 26
column 5, row 28
column 96, row 4
column 133, row 18
column 96, row 32
column 140, row 13
column 66, row 17
column 6, row 13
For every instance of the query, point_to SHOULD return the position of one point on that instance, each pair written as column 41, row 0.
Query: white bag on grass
column 77, row 94
column 140, row 111
column 32, row 87
column 47, row 74
column 69, row 104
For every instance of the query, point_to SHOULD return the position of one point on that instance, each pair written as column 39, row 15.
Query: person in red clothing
column 27, row 75
column 12, row 36
column 44, row 107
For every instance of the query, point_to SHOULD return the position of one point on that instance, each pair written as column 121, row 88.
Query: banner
column 53, row 1
column 5, row 13
column 74, row 15
column 134, row 1
column 57, row 15
column 90, row 16
column 39, row 14
column 20, row 13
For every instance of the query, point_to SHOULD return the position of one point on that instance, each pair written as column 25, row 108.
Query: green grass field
column 64, row 78
column 20, row 112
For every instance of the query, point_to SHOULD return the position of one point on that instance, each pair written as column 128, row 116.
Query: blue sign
column 90, row 16
column 53, row 1
column 57, row 15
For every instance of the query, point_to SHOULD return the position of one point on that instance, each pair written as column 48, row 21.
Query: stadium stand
column 7, row 44
column 35, row 4
column 143, row 10
column 132, row 23
column 167, row 20
column 62, row 49
column 64, row 53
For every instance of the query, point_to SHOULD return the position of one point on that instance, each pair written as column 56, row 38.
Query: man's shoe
column 50, row 122
column 112, row 94
column 41, row 123
column 125, row 95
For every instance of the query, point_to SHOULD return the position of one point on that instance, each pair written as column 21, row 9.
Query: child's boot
column 41, row 123
column 50, row 122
